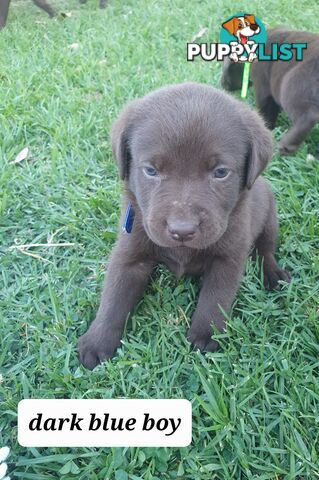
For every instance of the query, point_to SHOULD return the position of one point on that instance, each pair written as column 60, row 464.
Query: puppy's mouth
column 165, row 241
column 243, row 39
column 198, row 241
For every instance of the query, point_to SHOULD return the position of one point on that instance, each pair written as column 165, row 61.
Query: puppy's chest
column 183, row 261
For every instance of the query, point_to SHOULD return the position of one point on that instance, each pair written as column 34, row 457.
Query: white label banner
column 105, row 423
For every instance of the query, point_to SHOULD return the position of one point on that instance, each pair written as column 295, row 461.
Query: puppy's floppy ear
column 259, row 148
column 250, row 18
column 231, row 25
column 121, row 138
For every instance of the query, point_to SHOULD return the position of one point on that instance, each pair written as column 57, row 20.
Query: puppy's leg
column 4, row 8
column 45, row 6
column 219, row 287
column 266, row 104
column 269, row 110
column 267, row 107
column 265, row 246
column 302, row 125
column 124, row 285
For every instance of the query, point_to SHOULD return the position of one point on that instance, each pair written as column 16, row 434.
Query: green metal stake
column 245, row 83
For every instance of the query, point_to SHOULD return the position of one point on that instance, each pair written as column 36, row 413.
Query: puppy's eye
column 150, row 171
column 221, row 172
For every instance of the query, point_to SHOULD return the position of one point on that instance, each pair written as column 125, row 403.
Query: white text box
column 105, row 423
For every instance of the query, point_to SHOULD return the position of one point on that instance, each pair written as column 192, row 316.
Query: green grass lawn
column 255, row 402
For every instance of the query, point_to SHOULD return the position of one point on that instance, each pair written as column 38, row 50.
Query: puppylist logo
column 243, row 39
column 243, row 34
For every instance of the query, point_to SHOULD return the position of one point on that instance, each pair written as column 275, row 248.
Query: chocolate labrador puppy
column 4, row 8
column 290, row 86
column 190, row 157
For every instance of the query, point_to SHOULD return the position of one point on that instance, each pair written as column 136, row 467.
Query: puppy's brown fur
column 4, row 9
column 103, row 3
column 189, row 156
column 290, row 86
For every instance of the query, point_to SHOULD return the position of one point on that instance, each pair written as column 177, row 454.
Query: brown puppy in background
column 290, row 86
column 4, row 9
column 190, row 157
column 103, row 3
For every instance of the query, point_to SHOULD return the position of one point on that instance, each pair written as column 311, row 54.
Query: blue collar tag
column 128, row 219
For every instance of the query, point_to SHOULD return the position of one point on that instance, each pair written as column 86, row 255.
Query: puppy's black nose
column 254, row 27
column 182, row 231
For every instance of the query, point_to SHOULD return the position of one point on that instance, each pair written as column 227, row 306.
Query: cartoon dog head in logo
column 242, row 28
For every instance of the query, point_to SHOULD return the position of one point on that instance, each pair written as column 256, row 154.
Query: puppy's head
column 187, row 153
column 242, row 27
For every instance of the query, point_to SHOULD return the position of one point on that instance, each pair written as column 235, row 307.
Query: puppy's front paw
column 286, row 150
column 202, row 341
column 94, row 348
column 273, row 276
